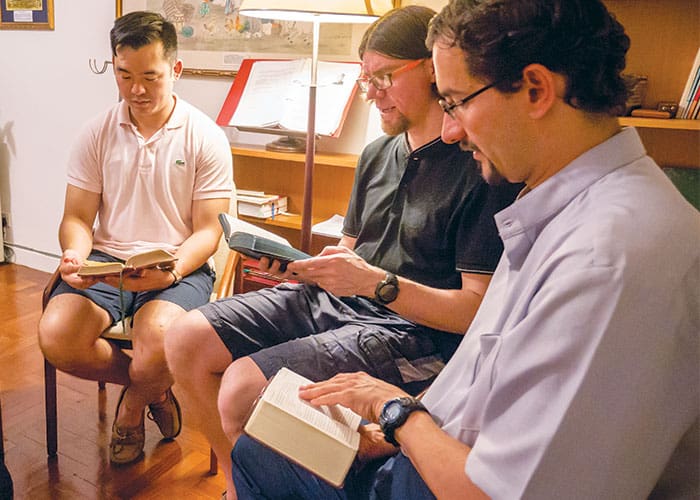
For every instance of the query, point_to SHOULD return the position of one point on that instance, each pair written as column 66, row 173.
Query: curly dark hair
column 399, row 34
column 579, row 39
column 141, row 28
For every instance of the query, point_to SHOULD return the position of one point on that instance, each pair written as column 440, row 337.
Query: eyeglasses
column 449, row 108
column 383, row 82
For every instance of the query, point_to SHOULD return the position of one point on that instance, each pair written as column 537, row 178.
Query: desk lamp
column 316, row 12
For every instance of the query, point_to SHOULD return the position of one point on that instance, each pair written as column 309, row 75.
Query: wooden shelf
column 344, row 160
column 288, row 221
column 671, row 124
column 257, row 169
column 664, row 38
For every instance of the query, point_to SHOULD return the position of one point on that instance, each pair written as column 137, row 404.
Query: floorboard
column 175, row 469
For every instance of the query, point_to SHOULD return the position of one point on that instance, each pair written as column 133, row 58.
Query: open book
column 254, row 242
column 275, row 95
column 161, row 259
column 323, row 440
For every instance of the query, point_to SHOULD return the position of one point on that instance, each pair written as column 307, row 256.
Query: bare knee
column 240, row 386
column 66, row 344
column 192, row 347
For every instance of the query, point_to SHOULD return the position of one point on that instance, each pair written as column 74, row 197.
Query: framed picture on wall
column 26, row 14
column 214, row 39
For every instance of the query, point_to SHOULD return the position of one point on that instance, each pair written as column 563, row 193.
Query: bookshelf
column 665, row 36
column 283, row 173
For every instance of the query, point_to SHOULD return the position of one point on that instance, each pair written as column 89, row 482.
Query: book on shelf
column 260, row 205
column 690, row 91
column 274, row 94
column 160, row 259
column 324, row 440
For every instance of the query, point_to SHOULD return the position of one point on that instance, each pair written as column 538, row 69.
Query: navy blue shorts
column 319, row 335
column 193, row 291
column 394, row 478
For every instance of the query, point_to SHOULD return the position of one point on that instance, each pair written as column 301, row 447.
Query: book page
column 335, row 83
column 336, row 421
column 237, row 225
column 265, row 93
column 152, row 258
column 94, row 268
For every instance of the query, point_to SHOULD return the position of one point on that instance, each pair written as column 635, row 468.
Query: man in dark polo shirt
column 395, row 296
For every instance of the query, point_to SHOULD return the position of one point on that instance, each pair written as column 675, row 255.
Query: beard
column 489, row 172
column 396, row 127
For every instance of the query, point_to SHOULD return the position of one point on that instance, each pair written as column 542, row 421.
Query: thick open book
column 275, row 95
column 254, row 242
column 323, row 440
column 161, row 259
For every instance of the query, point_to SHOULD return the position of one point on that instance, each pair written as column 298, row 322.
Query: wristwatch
column 394, row 414
column 387, row 290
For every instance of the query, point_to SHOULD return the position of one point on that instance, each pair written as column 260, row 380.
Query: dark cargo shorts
column 318, row 335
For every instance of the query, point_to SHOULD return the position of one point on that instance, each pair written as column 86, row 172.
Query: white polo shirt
column 148, row 186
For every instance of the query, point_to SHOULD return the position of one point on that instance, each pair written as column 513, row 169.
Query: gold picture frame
column 229, row 40
column 26, row 15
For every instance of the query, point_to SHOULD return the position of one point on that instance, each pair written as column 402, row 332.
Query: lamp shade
column 326, row 11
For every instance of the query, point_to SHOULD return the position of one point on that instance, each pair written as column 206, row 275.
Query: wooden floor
column 170, row 470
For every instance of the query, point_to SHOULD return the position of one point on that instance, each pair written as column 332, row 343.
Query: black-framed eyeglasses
column 385, row 81
column 449, row 107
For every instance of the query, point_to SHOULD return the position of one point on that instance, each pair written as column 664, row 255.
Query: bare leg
column 240, row 386
column 69, row 336
column 149, row 373
column 197, row 359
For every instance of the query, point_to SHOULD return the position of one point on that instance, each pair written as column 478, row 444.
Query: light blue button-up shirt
column 580, row 373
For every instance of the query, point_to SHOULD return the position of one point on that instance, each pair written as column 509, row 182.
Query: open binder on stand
column 272, row 96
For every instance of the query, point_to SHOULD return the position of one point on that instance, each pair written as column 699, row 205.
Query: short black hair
column 141, row 28
column 400, row 34
column 579, row 39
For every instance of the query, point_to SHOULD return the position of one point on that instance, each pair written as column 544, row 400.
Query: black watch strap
column 394, row 414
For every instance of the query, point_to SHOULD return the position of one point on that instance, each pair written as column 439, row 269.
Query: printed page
column 263, row 99
column 337, row 421
column 334, row 85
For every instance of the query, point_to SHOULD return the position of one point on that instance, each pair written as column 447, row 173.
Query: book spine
column 690, row 88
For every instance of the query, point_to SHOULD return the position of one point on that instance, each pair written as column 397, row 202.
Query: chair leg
column 51, row 412
column 213, row 462
column 2, row 440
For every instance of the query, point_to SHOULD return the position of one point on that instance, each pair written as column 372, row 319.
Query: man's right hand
column 70, row 263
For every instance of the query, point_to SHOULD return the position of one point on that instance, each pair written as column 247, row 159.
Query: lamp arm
column 306, row 220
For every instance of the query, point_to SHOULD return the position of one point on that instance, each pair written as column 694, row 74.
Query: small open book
column 161, row 259
column 324, row 440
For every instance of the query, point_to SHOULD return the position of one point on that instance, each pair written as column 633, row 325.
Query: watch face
column 392, row 411
column 388, row 292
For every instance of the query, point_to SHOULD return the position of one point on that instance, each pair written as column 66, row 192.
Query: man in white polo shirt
column 152, row 172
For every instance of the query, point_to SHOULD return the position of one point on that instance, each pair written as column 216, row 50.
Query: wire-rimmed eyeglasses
column 383, row 82
column 449, row 107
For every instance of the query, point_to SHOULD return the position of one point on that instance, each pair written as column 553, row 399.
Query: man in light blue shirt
column 578, row 377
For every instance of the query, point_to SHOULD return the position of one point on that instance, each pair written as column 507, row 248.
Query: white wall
column 47, row 92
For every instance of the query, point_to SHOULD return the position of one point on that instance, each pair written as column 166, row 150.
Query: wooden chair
column 227, row 270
